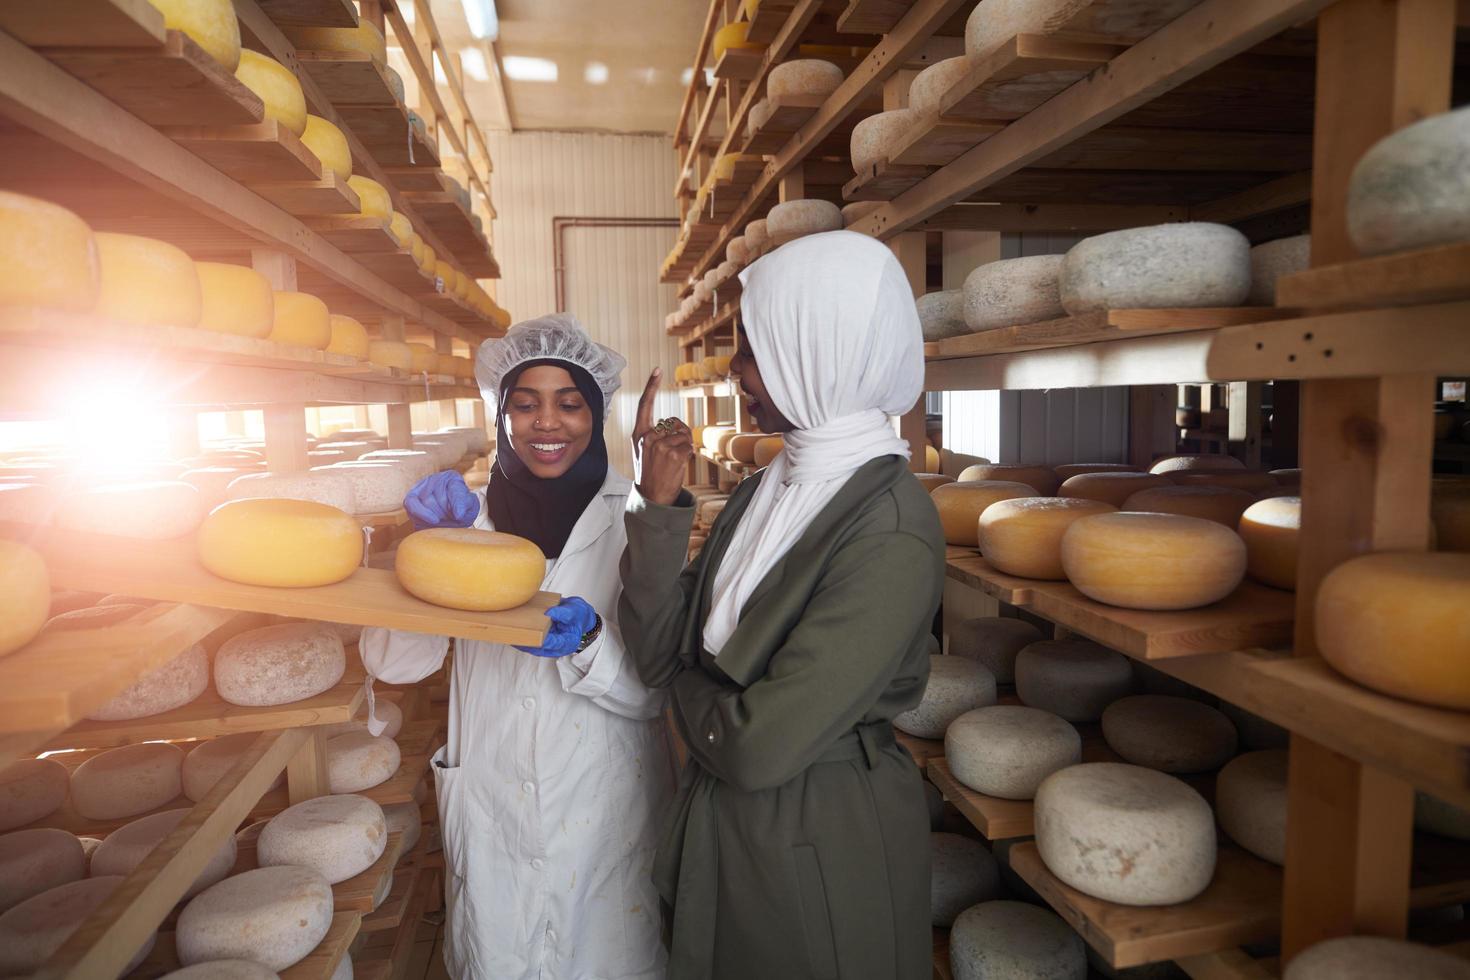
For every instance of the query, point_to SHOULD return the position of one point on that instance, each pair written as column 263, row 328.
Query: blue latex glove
column 441, row 500
column 571, row 619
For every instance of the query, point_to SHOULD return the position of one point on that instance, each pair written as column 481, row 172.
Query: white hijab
column 832, row 323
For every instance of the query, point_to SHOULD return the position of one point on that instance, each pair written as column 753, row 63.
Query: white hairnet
column 557, row 336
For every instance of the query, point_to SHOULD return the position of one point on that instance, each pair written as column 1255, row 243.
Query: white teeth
column 548, row 447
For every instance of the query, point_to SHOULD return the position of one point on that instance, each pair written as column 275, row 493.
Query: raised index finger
column 644, row 421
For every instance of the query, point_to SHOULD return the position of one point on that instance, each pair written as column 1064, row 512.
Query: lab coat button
column 538, row 864
column 528, row 786
column 529, row 704
column 711, row 737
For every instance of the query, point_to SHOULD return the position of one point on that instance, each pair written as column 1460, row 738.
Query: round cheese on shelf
column 349, row 450
column 48, row 256
column 1438, row 817
column 213, row 482
column 401, row 229
column 31, row 789
column 1039, row 478
column 804, row 217
column 211, row 24
column 406, row 819
column 1125, row 834
column 208, row 762
column 25, row 596
column 737, row 251
column 1251, row 481
column 390, row 354
column 273, row 916
column 961, row 504
column 875, row 137
column 377, row 487
column 1014, row 941
column 301, row 319
column 955, row 686
column 331, row 489
column 329, row 145
column 804, row 76
column 1411, row 189
column 1395, row 622
column 929, row 85
column 125, row 848
column 466, row 568
column 276, row 86
column 1272, row 260
column 942, row 314
column 756, row 235
column 1013, row 291
column 1171, row 734
column 930, row 481
column 164, row 688
column 146, row 282
column 1223, row 505
column 768, row 449
column 1006, row 750
column 348, row 337
column 337, row 836
column 857, row 211
column 962, row 874
column 225, row 970
column 34, row 861
column 278, row 664
column 1024, row 536
column 127, row 781
column 373, row 200
column 36, row 928
column 1186, row 264
column 1269, row 529
column 235, row 299
column 732, row 35
column 365, row 38
column 1250, row 802
column 742, row 446
column 358, row 761
column 418, row 463
column 1373, row 958
column 1076, row 679
column 422, row 359
column 158, row 510
column 1066, row 471
column 1152, row 561
column 993, row 642
column 1196, row 461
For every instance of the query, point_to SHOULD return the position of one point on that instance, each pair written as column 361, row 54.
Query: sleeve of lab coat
column 607, row 675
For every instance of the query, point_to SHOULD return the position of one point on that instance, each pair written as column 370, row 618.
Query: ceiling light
column 472, row 60
column 523, row 69
column 688, row 76
column 483, row 20
column 595, row 73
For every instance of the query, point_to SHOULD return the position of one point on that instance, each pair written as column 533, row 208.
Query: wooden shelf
column 788, row 114
column 768, row 19
column 319, row 964
column 942, row 969
column 310, row 13
column 921, row 750
column 84, row 24
column 348, row 77
column 739, row 470
column 1099, row 327
column 965, row 565
column 725, row 317
column 255, row 153
column 443, row 213
column 388, row 135
column 1419, row 276
column 742, row 64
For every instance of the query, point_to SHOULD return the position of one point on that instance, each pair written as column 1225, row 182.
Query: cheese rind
column 235, row 299
column 466, row 568
column 211, row 24
column 942, row 314
column 1412, row 188
column 1152, row 561
column 803, row 217
column 125, row 848
column 1066, row 471
column 31, row 789
column 282, row 543
column 25, row 596
column 127, row 781
column 1250, row 802
column 1187, row 264
column 1014, row 941
column 274, row 916
column 36, row 928
column 34, row 861
column 1171, row 734
column 1270, row 529
column 929, row 85
column 358, row 761
column 170, row 686
column 1272, row 260
column 390, row 354
column 960, row 505
column 803, row 76
column 1074, row 679
column 1006, row 750
column 146, row 282
column 1039, row 478
column 1374, row 958
column 301, row 319
column 1024, row 536
column 876, row 136
column 1223, row 505
column 338, row 836
column 377, row 487
column 322, row 486
column 962, row 874
column 48, row 256
column 373, row 198
column 348, row 337
column 329, row 145
column 955, row 686
column 1196, row 461
column 277, row 87
column 993, row 642
column 278, row 664
column 1014, row 291
column 226, row 970
column 1111, row 487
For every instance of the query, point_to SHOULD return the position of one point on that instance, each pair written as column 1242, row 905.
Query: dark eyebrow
column 536, row 392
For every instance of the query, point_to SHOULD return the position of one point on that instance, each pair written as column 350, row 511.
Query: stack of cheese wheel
column 1110, row 487
column 1186, row 264
column 1012, row 292
column 1171, row 734
column 1152, row 561
column 1008, row 750
column 1223, row 505
column 211, row 24
column 1269, row 529
column 466, row 568
column 1023, row 536
column 875, row 137
column 1040, row 478
column 280, row 542
column 1075, row 679
column 961, row 504
column 956, row 685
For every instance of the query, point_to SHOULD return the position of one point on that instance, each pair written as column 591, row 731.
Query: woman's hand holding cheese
column 442, row 500
column 661, row 450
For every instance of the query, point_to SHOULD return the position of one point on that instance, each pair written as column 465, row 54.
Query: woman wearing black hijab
column 557, row 770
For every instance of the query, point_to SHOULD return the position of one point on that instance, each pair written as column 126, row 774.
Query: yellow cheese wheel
column 400, row 228
column 48, row 256
column 211, row 24
column 236, row 299
column 422, row 358
column 1396, row 622
column 147, row 282
column 742, row 447
column 372, row 200
column 1023, row 536
column 364, row 38
column 931, row 464
column 711, row 365
column 1066, row 471
column 1152, row 561
column 430, row 262
column 348, row 337
column 932, row 480
column 768, row 449
column 464, row 368
column 390, row 353
column 723, row 447
column 961, row 504
column 277, row 88
column 416, row 249
column 446, row 275
column 733, row 36
column 722, row 365
column 301, row 319
column 330, row 146
column 25, row 595
column 1449, row 508
column 1223, row 505
column 1269, row 529
column 711, row 435
column 1289, row 477
column 1196, row 461
column 1110, row 488
column 1039, row 478
column 280, row 542
column 1249, row 480
column 465, row 568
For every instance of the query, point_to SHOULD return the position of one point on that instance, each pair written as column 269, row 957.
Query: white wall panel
column 611, row 273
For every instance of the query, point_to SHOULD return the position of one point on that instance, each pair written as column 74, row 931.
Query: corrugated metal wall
column 611, row 273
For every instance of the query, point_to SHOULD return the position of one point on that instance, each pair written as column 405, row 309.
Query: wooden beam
column 1275, row 195
column 1050, row 217
column 696, row 82
column 306, row 772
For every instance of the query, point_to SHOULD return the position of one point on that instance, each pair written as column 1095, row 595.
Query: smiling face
column 550, row 422
column 744, row 369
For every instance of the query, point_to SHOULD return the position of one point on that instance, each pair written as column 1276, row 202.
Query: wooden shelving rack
column 1251, row 114
column 137, row 130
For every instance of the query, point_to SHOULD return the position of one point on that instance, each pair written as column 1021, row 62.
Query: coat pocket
column 816, row 917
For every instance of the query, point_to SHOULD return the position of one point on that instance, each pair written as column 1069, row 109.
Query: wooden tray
column 1100, row 327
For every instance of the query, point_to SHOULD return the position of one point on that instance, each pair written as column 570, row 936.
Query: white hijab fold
column 832, row 323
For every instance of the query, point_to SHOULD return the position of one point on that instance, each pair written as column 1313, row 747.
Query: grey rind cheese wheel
column 33, row 930
column 125, row 848
column 756, row 235
column 807, row 216
column 1169, row 734
column 942, row 314
column 31, row 789
column 1250, row 803
column 1189, row 264
column 323, row 486
column 1014, row 941
column 358, row 761
column 278, row 664
column 1374, row 958
column 804, row 76
column 274, row 916
column 955, row 686
column 224, row 970
column 1007, row 750
column 377, row 487
column 1014, row 291
column 930, row 85
column 34, row 861
column 1254, row 731
column 338, row 836
column 998, row 21
column 1125, row 834
column 857, row 211
column 1272, row 260
column 1412, row 188
column 406, row 819
column 208, row 761
column 1076, row 679
column 993, row 642
column 128, row 781
column 962, row 873
column 875, row 137
column 164, row 688
column 1438, row 817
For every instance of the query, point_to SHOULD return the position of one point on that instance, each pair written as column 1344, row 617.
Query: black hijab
column 545, row 511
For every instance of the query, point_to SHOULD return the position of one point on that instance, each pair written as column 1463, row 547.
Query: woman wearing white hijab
column 799, row 845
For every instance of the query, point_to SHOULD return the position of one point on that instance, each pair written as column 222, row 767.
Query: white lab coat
column 552, row 787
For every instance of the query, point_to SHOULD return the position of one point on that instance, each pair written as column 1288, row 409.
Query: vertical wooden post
column 306, row 773
column 285, row 438
column 910, row 250
column 1366, row 447
column 276, row 266
column 443, row 409
column 792, row 186
column 1150, row 423
column 1245, row 421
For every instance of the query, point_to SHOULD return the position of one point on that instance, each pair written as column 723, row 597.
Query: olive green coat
column 799, row 842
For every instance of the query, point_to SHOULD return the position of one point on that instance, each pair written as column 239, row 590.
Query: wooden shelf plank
column 310, row 13
column 327, row 195
column 389, row 137
column 348, row 77
column 768, row 19
column 921, row 750
column 319, row 964
column 84, row 23
column 966, row 566
column 1167, row 359
column 788, row 113
column 1423, row 275
column 743, row 64
column 170, row 570
column 1104, row 325
column 1019, row 76
column 443, row 213
column 264, row 151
